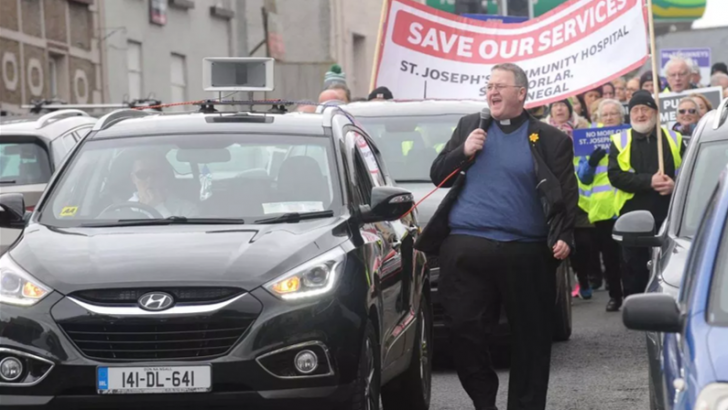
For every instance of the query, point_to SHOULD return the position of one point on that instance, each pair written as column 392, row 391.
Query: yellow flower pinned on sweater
column 533, row 137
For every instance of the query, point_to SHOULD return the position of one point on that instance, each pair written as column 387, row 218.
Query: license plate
column 154, row 379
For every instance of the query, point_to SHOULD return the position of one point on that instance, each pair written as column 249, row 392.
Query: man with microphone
column 500, row 233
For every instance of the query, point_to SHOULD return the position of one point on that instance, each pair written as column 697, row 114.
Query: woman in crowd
column 687, row 116
column 608, row 91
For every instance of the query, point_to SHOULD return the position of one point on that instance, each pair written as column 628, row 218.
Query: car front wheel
column 367, row 387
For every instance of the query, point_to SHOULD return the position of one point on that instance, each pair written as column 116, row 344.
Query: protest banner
column 700, row 55
column 670, row 101
column 424, row 52
column 586, row 140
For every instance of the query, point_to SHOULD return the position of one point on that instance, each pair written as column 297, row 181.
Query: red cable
column 436, row 188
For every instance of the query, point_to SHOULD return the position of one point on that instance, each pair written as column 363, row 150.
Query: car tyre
column 562, row 318
column 413, row 388
column 368, row 381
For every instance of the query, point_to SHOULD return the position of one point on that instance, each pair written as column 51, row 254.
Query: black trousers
column 476, row 276
column 636, row 275
column 611, row 255
column 582, row 256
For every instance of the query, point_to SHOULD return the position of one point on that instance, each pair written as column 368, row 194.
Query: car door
column 388, row 266
column 674, row 346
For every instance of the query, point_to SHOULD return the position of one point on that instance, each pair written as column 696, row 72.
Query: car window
column 694, row 260
column 409, row 144
column 710, row 160
column 24, row 163
column 121, row 178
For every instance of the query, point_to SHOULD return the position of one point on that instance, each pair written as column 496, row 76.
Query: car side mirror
column 12, row 211
column 653, row 312
column 388, row 204
column 636, row 229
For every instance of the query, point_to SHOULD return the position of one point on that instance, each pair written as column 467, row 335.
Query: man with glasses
column 500, row 233
column 679, row 75
column 634, row 171
column 153, row 176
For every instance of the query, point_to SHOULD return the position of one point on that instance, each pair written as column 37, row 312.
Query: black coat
column 553, row 157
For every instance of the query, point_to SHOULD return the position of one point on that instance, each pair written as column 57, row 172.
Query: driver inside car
column 153, row 176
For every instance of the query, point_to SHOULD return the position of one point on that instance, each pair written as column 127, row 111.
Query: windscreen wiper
column 296, row 217
column 172, row 220
column 10, row 181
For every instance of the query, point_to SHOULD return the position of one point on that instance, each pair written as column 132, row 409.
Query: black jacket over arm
column 553, row 156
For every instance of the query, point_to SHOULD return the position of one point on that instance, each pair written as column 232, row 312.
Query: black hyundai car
column 230, row 260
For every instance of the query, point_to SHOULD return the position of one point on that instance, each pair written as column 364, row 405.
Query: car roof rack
column 721, row 114
column 276, row 106
column 37, row 106
column 117, row 116
column 57, row 115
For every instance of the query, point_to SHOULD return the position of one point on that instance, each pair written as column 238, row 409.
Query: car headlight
column 713, row 397
column 17, row 287
column 314, row 278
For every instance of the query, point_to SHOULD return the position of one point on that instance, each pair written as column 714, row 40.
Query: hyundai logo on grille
column 155, row 301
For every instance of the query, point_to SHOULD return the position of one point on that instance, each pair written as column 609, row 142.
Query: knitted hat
column 642, row 97
column 333, row 76
column 380, row 92
column 719, row 67
column 568, row 105
column 647, row 76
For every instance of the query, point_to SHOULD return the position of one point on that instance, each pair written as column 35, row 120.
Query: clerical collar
column 512, row 124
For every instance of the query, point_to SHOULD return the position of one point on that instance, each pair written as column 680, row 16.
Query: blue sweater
column 499, row 200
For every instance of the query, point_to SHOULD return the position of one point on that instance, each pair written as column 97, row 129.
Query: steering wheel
column 137, row 207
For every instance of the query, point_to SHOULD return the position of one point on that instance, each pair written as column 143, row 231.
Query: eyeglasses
column 500, row 87
column 688, row 111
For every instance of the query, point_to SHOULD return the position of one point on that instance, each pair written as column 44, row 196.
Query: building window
column 57, row 76
column 178, row 81
column 134, row 69
column 359, row 47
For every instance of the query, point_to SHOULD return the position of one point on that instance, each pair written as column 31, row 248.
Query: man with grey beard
column 634, row 171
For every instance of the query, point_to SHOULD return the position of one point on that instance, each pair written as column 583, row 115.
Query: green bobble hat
column 333, row 76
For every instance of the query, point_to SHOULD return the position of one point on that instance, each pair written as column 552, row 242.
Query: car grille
column 158, row 341
column 126, row 297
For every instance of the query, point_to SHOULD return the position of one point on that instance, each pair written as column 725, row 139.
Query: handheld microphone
column 485, row 119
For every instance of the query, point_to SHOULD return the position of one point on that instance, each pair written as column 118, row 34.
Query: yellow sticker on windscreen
column 69, row 211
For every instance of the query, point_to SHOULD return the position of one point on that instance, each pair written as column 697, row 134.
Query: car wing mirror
column 387, row 204
column 652, row 313
column 12, row 211
column 636, row 229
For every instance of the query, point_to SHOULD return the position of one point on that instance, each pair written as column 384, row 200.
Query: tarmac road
column 602, row 367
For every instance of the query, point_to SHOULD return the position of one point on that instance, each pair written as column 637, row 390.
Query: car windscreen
column 23, row 163
column 409, row 144
column 710, row 160
column 218, row 176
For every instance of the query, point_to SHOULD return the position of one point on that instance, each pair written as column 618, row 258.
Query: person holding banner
column 634, row 172
column 500, row 233
column 593, row 172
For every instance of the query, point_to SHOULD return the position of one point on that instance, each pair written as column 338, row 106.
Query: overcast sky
column 716, row 15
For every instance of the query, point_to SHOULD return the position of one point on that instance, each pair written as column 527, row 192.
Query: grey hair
column 608, row 101
column 715, row 78
column 518, row 73
column 694, row 66
column 678, row 59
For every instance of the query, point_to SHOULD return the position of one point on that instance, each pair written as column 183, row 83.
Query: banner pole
column 378, row 48
column 656, row 87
